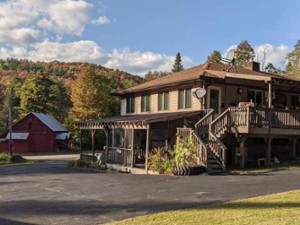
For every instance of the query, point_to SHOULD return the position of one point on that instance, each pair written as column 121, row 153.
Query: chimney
column 254, row 66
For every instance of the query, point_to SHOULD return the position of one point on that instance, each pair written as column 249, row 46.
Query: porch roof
column 135, row 121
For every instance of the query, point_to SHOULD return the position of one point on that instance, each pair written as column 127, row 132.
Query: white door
column 214, row 99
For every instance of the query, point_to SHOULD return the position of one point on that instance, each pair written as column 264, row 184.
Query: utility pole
column 10, row 123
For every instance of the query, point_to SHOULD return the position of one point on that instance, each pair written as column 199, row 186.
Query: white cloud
column 22, row 21
column 273, row 54
column 79, row 51
column 19, row 36
column 141, row 62
column 102, row 20
column 68, row 16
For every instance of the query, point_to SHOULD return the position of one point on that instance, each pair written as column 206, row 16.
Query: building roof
column 17, row 136
column 63, row 136
column 212, row 70
column 50, row 122
column 137, row 119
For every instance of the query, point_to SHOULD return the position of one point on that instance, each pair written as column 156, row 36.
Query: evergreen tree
column 177, row 66
column 293, row 61
column 270, row 68
column 244, row 53
column 215, row 57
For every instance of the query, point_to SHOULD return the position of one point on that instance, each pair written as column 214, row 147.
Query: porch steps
column 213, row 165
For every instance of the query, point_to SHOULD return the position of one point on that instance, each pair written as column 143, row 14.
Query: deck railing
column 121, row 156
column 264, row 117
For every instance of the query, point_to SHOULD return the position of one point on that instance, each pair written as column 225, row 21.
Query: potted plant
column 186, row 158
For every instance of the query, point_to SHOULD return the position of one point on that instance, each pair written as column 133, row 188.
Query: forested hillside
column 69, row 91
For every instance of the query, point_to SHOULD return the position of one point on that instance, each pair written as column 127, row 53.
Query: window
column 130, row 105
column 184, row 99
column 256, row 96
column 295, row 102
column 163, row 101
column 145, row 103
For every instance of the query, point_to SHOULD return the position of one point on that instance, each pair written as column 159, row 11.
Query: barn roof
column 17, row 136
column 50, row 122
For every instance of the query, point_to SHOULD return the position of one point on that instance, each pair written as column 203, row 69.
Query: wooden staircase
column 207, row 138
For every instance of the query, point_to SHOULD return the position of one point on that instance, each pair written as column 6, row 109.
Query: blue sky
column 139, row 35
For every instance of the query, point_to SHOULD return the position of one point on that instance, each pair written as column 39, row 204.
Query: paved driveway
column 51, row 193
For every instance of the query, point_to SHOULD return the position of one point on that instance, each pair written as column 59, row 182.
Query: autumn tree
column 244, row 53
column 43, row 94
column 215, row 57
column 177, row 66
column 151, row 75
column 293, row 61
column 91, row 96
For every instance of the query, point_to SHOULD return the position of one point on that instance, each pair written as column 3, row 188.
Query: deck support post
column 294, row 147
column 132, row 150
column 93, row 141
column 80, row 139
column 268, row 156
column 243, row 152
column 147, row 148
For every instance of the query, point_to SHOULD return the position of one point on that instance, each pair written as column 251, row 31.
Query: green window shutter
column 166, row 101
column 148, row 103
column 188, row 98
column 160, row 102
column 181, row 99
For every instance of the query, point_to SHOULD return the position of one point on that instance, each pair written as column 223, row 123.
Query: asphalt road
column 51, row 193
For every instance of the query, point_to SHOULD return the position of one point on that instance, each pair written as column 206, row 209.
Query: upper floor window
column 184, row 99
column 163, row 101
column 145, row 103
column 130, row 105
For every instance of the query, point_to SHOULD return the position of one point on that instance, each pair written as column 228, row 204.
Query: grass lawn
column 267, row 169
column 7, row 160
column 276, row 209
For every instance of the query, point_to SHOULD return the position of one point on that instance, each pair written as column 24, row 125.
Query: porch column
column 80, row 139
column 269, row 94
column 93, row 140
column 268, row 156
column 294, row 147
column 107, row 138
column 132, row 150
column 147, row 148
column 243, row 152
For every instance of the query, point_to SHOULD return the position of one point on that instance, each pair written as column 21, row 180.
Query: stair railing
column 201, row 127
column 217, row 129
column 200, row 146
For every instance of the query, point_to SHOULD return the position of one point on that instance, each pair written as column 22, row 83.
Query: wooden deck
column 258, row 121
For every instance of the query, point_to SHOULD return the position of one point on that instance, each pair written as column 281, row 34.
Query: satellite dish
column 230, row 54
column 229, row 57
column 198, row 92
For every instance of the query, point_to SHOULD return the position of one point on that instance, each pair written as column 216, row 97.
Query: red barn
column 36, row 132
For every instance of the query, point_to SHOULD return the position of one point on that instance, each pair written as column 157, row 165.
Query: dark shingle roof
column 213, row 70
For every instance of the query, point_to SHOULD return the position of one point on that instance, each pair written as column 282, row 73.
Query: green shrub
column 5, row 158
column 185, row 153
column 161, row 160
column 78, row 163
